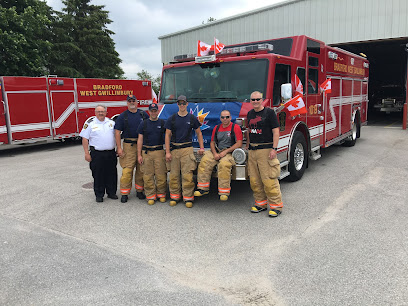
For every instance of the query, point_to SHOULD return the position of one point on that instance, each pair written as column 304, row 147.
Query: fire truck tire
column 351, row 141
column 298, row 157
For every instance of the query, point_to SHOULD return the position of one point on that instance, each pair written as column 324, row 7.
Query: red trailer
column 42, row 108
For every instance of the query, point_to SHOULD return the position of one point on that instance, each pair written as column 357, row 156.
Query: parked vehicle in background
column 46, row 108
column 389, row 98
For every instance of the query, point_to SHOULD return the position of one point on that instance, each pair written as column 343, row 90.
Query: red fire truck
column 43, row 108
column 225, row 81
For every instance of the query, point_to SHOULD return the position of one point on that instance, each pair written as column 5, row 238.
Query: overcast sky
column 139, row 23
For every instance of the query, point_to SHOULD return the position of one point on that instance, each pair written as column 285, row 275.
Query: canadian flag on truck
column 154, row 97
column 296, row 106
column 298, row 86
column 218, row 46
column 326, row 86
column 203, row 48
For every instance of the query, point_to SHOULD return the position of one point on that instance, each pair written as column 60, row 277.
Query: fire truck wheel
column 298, row 157
column 351, row 141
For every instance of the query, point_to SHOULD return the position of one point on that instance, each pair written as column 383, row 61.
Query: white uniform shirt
column 101, row 134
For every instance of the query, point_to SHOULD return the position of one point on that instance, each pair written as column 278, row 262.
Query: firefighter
column 180, row 154
column 126, row 127
column 98, row 141
column 263, row 164
column 153, row 160
column 226, row 137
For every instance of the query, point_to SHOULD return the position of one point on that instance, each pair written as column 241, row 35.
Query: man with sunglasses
column 180, row 153
column 151, row 140
column 263, row 164
column 126, row 127
column 226, row 137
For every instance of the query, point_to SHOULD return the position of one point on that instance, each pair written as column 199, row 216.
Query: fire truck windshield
column 215, row 82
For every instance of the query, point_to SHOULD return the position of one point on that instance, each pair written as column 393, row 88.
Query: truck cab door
column 314, row 100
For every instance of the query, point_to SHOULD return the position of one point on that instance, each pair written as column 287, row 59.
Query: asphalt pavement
column 341, row 239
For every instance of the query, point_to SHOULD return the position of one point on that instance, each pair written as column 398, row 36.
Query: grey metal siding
column 332, row 21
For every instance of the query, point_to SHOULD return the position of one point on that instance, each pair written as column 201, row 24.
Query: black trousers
column 103, row 167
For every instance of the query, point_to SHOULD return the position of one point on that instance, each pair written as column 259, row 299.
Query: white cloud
column 138, row 24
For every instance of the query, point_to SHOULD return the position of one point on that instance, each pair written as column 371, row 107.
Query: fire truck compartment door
column 3, row 124
column 64, row 112
column 27, row 103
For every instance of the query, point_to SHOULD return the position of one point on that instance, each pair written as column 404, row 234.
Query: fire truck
column 53, row 108
column 221, row 81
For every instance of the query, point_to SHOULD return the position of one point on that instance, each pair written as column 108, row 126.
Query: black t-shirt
column 154, row 132
column 182, row 127
column 134, row 120
column 260, row 125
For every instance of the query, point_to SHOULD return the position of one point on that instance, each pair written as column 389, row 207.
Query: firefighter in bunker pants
column 263, row 165
column 180, row 154
column 226, row 137
column 153, row 160
column 126, row 125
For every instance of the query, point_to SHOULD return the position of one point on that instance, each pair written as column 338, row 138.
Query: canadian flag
column 154, row 97
column 203, row 48
column 326, row 86
column 218, row 46
column 298, row 86
column 296, row 106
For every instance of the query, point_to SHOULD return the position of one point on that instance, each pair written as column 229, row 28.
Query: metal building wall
column 332, row 21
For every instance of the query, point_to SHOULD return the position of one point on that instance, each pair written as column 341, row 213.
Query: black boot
column 141, row 195
column 124, row 198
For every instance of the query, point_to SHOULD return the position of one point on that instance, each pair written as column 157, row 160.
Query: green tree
column 24, row 37
column 144, row 75
column 83, row 46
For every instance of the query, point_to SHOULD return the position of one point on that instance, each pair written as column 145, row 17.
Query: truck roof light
column 332, row 55
column 249, row 48
column 205, row 59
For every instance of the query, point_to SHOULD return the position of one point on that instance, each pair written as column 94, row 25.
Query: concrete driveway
column 341, row 239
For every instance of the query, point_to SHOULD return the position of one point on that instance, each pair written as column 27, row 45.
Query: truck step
column 284, row 173
column 315, row 153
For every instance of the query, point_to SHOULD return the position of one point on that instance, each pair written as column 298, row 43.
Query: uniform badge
column 85, row 126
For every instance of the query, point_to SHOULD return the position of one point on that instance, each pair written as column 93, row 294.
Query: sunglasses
column 225, row 117
column 182, row 103
column 257, row 99
column 132, row 100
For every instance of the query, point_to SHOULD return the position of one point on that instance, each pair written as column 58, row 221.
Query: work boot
column 274, row 213
column 99, row 199
column 124, row 198
column 162, row 200
column 141, row 195
column 257, row 209
column 189, row 204
column 223, row 197
column 200, row 192
column 173, row 202
column 151, row 202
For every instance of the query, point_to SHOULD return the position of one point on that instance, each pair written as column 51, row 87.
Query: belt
column 130, row 141
column 92, row 149
column 261, row 146
column 156, row 148
column 184, row 145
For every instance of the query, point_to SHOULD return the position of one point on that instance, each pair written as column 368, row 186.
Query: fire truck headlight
column 239, row 156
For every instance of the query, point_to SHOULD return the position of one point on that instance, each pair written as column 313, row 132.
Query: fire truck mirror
column 286, row 91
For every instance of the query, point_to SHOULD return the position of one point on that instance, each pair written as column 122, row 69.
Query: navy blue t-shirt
column 182, row 126
column 134, row 120
column 154, row 133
